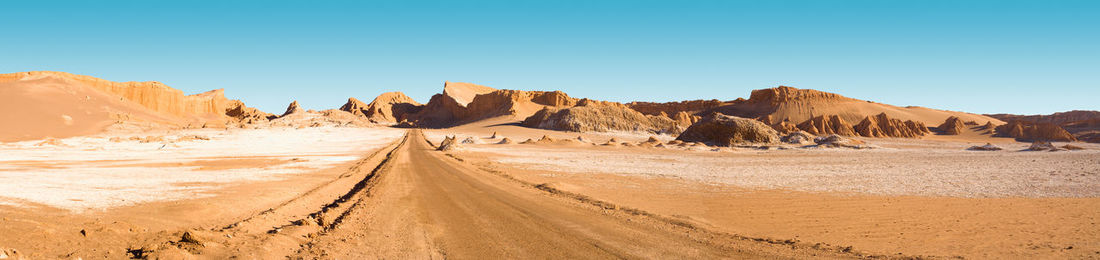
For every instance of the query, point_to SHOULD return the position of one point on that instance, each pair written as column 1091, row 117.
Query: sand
column 949, row 170
column 906, row 197
column 96, row 173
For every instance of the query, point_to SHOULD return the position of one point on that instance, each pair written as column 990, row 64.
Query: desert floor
column 352, row 193
column 927, row 197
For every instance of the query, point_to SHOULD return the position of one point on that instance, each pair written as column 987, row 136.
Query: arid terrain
column 91, row 169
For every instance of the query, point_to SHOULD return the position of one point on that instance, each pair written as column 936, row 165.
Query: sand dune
column 58, row 104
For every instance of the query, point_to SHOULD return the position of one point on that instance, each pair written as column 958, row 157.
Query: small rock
column 986, row 147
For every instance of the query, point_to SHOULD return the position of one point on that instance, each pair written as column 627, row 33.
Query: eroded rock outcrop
column 672, row 108
column 882, row 125
column 387, row 108
column 85, row 105
column 952, row 126
column 826, row 125
column 292, row 108
column 463, row 103
column 153, row 95
column 723, row 130
column 600, row 116
column 1028, row 131
column 986, row 147
column 1083, row 124
column 247, row 115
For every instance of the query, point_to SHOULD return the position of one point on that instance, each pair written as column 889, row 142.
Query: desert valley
column 91, row 168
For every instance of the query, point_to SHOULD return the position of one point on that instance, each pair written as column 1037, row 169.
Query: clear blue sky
column 977, row 56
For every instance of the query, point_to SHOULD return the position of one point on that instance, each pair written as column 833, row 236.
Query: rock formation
column 463, row 103
column 952, row 126
column 247, row 115
column 825, row 125
column 799, row 105
column 1083, row 124
column 836, row 141
column 600, row 116
column 882, row 125
column 685, row 119
column 387, row 108
column 1056, row 118
column 1028, row 131
column 722, row 130
column 448, row 144
column 355, row 107
column 151, row 94
column 690, row 107
column 797, row 137
column 986, row 147
column 1042, row 146
column 988, row 126
column 292, row 108
column 87, row 105
column 1089, row 137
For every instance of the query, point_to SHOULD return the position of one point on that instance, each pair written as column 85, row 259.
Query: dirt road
column 429, row 205
column 410, row 201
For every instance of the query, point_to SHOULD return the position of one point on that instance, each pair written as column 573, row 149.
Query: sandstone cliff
column 58, row 104
column 151, row 94
column 799, row 105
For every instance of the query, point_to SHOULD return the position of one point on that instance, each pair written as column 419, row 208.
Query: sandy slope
column 40, row 107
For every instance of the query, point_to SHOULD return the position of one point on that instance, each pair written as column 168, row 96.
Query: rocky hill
column 796, row 106
column 1082, row 124
column 882, row 125
column 387, row 108
column 601, row 116
column 1030, row 131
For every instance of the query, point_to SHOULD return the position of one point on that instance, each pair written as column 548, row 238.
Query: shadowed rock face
column 690, row 107
column 952, row 126
column 599, row 116
column 387, row 108
column 722, row 130
column 463, row 103
column 1028, row 131
column 247, row 115
column 884, row 126
column 292, row 108
column 825, row 125
column 1083, row 124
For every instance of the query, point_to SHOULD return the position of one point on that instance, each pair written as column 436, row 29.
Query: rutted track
column 282, row 230
column 416, row 202
column 431, row 206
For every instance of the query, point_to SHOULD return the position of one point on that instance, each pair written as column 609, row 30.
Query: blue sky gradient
column 1028, row 57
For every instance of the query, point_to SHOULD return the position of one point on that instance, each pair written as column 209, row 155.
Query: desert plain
column 91, row 169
